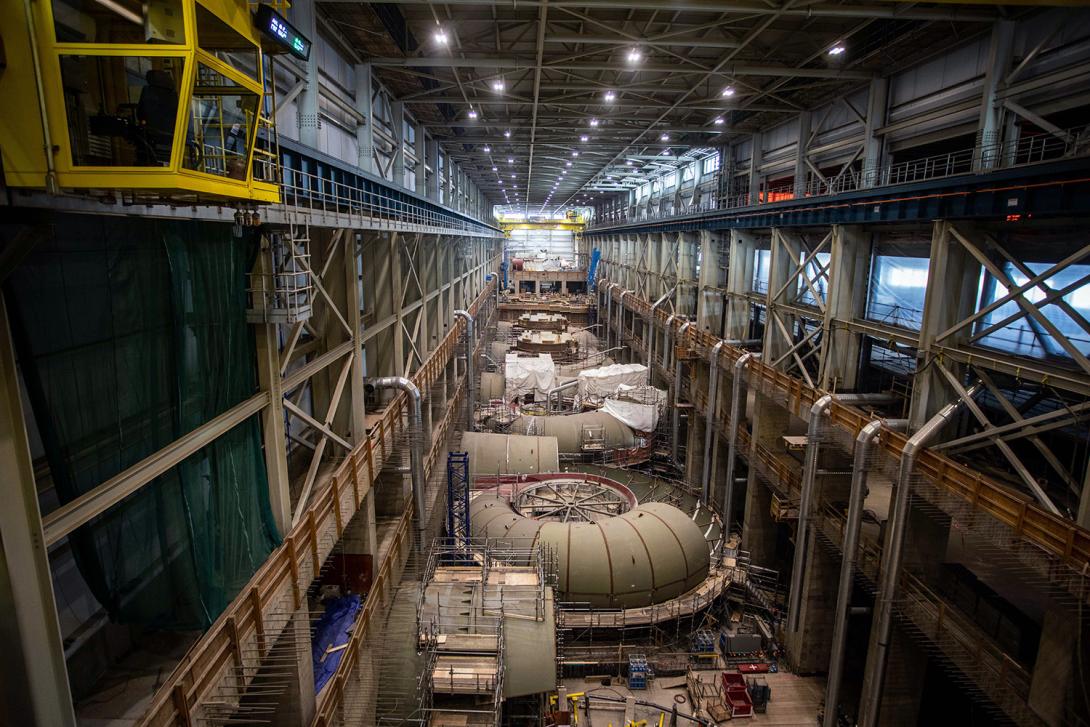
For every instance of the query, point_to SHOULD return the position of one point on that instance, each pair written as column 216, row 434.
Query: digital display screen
column 274, row 27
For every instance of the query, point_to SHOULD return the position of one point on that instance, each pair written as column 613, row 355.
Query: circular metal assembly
column 572, row 499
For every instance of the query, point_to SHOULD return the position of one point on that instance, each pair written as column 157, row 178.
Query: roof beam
column 830, row 10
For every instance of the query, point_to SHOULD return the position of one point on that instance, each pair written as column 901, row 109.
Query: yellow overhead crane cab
column 156, row 100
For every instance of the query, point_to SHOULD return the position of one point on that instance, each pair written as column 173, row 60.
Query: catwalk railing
column 982, row 157
column 1054, row 534
column 218, row 655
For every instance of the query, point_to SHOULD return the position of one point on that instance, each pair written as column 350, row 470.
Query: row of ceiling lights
column 633, row 56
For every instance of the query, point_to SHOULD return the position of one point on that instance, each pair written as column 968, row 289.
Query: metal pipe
column 556, row 390
column 892, row 554
column 471, row 385
column 651, row 330
column 609, row 311
column 809, row 475
column 709, row 419
column 47, row 140
column 496, row 280
column 850, row 547
column 732, row 438
column 667, row 335
column 620, row 318
column 675, row 423
column 818, row 411
column 416, row 448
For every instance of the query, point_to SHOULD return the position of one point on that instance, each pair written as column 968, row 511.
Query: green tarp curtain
column 131, row 333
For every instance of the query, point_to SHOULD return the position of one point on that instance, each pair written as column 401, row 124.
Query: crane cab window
column 225, row 43
column 222, row 115
column 141, row 22
column 121, row 110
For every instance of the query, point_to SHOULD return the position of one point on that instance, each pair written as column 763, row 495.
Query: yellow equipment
column 158, row 100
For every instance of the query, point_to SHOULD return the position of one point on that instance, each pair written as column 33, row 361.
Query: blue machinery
column 458, row 498
column 592, row 269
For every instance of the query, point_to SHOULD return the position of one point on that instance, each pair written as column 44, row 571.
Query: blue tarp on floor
column 332, row 630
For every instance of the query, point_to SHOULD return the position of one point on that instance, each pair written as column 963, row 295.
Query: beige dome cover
column 647, row 555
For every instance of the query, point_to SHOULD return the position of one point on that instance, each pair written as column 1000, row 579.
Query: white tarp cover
column 525, row 374
column 643, row 394
column 605, row 380
column 641, row 417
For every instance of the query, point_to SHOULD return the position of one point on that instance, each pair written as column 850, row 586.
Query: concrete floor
column 795, row 701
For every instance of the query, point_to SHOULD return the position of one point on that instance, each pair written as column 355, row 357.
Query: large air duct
column 568, row 430
column 732, row 435
column 416, row 448
column 471, row 383
column 650, row 333
column 647, row 555
column 850, row 547
column 709, row 419
column 510, row 454
column 675, row 419
column 892, row 552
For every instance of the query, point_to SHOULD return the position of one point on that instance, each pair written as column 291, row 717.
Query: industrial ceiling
column 553, row 102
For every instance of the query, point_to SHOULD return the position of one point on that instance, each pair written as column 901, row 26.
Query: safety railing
column 243, row 628
column 1055, row 535
column 985, row 156
column 367, row 204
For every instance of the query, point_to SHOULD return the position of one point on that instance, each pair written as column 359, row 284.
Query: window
column 221, row 123
column 711, row 164
column 1025, row 335
column 225, row 43
column 155, row 22
column 121, row 110
column 819, row 263
column 762, row 261
column 669, row 180
column 898, row 286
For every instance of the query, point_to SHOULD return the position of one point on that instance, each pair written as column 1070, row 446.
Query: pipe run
column 609, row 310
column 667, row 336
column 850, row 546
column 675, row 420
column 892, row 554
column 620, row 318
column 709, row 420
column 732, row 438
column 556, row 390
column 416, row 450
column 650, row 333
column 471, row 386
column 818, row 412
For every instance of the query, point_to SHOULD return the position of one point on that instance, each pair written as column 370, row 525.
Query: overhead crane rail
column 1056, row 535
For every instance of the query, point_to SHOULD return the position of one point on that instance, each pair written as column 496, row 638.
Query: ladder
column 458, row 498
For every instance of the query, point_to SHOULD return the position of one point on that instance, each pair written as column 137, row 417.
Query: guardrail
column 218, row 657
column 981, row 158
column 1055, row 535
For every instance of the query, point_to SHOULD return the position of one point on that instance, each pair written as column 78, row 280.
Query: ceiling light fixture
column 718, row 121
column 634, row 55
column 567, row 164
column 497, row 85
column 507, row 133
column 594, row 122
column 664, row 137
column 487, row 149
column 472, row 114
column 837, row 49
column 584, row 137
column 510, row 160
column 494, row 169
column 441, row 37
column 610, row 96
column 575, row 153
column 728, row 91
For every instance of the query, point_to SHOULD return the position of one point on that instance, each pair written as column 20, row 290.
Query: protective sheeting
column 131, row 333
column 604, row 381
column 332, row 630
column 528, row 374
column 641, row 417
